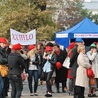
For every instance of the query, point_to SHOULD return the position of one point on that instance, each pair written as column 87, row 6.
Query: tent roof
column 86, row 28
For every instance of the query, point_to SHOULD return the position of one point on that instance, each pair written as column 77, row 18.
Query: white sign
column 23, row 38
column 61, row 35
column 85, row 35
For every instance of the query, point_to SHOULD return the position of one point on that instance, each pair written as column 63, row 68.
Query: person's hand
column 30, row 63
column 48, row 59
column 27, row 74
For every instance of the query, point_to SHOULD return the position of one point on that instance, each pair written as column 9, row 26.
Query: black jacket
column 3, row 56
column 73, row 61
column 16, row 64
column 36, row 62
column 61, row 73
column 53, row 61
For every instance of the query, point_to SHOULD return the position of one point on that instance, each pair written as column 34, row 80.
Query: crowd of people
column 45, row 63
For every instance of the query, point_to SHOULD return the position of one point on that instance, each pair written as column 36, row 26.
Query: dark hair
column 93, row 47
column 50, row 44
column 57, row 45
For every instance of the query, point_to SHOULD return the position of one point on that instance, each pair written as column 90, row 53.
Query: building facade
column 91, row 5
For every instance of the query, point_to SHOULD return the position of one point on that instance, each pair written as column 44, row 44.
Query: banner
column 85, row 35
column 23, row 38
column 62, row 35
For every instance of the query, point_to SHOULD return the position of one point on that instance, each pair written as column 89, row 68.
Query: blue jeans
column 33, row 74
column 1, row 86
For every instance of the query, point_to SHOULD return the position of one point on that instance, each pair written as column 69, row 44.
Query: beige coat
column 81, row 76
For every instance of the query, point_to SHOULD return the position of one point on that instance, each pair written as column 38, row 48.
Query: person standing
column 73, row 62
column 16, row 66
column 81, row 75
column 33, row 69
column 60, row 70
column 39, row 52
column 49, row 61
column 52, row 81
column 6, row 82
column 69, row 78
column 93, row 58
column 96, row 43
column 3, row 61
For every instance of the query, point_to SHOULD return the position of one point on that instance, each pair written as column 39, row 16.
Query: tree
column 18, row 15
column 70, row 13
column 39, row 4
column 46, row 16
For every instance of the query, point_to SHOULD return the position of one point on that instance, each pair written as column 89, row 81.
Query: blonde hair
column 31, row 52
column 80, row 48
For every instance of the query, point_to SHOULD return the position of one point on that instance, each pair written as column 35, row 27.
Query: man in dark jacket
column 61, row 72
column 3, row 61
column 73, row 63
column 16, row 66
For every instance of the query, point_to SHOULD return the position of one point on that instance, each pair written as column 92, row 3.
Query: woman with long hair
column 33, row 69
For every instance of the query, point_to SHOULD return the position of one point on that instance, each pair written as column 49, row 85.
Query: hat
column 48, row 48
column 92, row 46
column 16, row 47
column 3, row 40
column 79, row 40
column 30, row 47
column 58, row 65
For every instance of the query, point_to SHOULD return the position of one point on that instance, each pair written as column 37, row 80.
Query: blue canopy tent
column 62, row 39
column 85, row 29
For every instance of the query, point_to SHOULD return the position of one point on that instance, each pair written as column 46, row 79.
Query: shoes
column 63, row 91
column 70, row 93
column 31, row 94
column 52, row 92
column 90, row 95
column 94, row 95
column 48, row 95
column 35, row 94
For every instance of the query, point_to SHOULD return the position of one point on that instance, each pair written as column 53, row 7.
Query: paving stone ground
column 42, row 91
